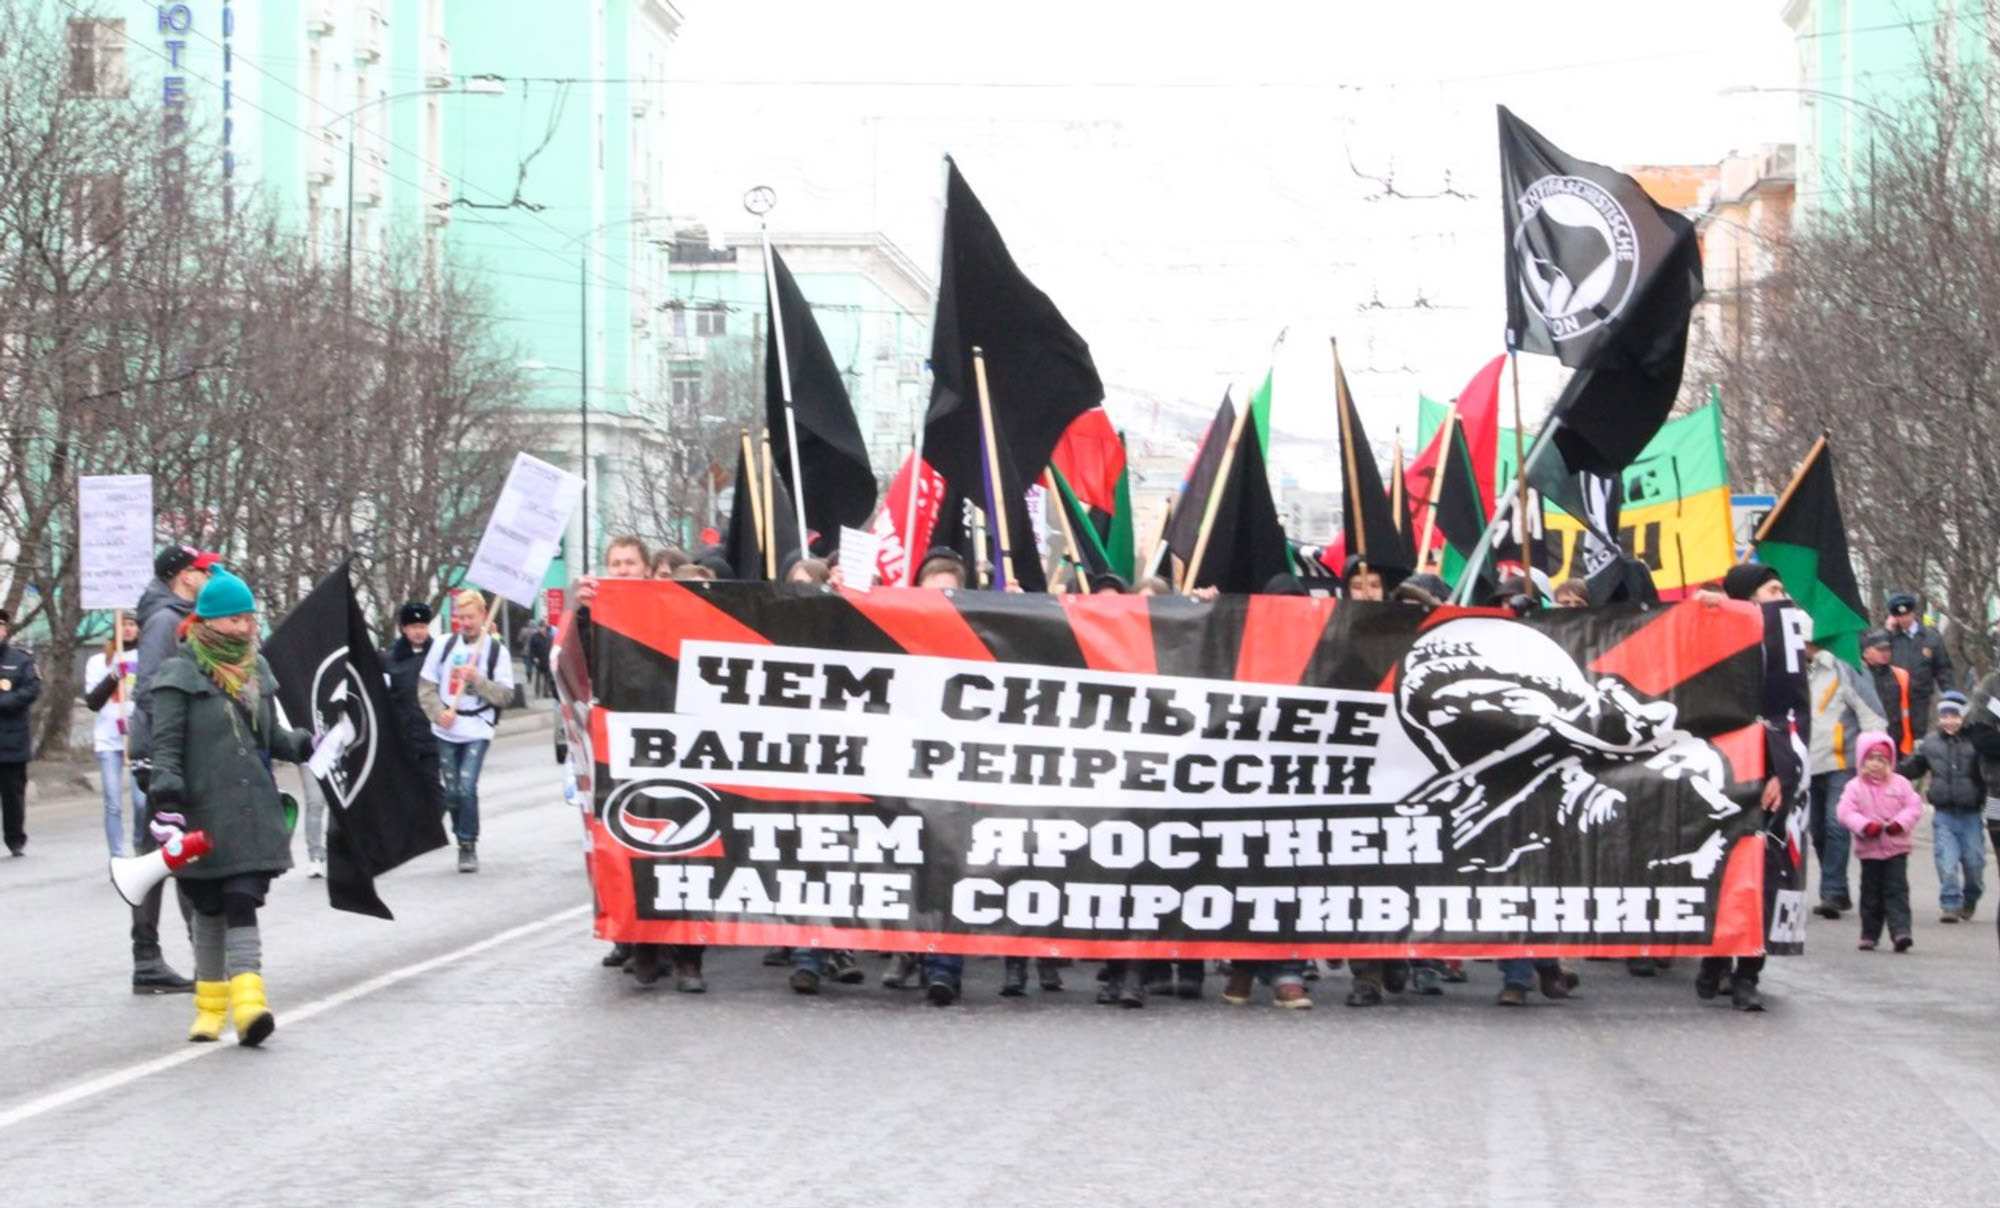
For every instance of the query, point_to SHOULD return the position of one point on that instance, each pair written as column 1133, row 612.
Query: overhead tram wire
column 415, row 187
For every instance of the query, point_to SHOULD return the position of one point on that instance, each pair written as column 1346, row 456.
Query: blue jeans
column 460, row 763
column 1520, row 970
column 1959, row 839
column 1831, row 842
column 111, row 768
column 944, row 964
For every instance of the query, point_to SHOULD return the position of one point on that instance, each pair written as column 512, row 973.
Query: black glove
column 166, row 801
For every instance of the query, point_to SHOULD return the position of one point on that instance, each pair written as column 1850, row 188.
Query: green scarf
column 230, row 662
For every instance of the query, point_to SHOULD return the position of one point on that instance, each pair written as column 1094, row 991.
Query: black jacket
column 20, row 684
column 1953, row 764
column 402, row 663
column 1982, row 726
column 1921, row 653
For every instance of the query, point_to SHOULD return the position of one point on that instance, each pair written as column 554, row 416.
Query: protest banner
column 525, row 530
column 1121, row 776
column 114, row 515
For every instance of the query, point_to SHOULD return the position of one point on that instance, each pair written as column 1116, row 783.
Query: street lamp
column 479, row 85
column 583, row 429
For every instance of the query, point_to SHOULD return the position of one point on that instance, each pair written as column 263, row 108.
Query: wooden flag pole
column 750, row 483
column 1437, row 485
column 1005, row 562
column 1190, row 580
column 785, row 389
column 1399, row 499
column 1521, row 478
column 1152, row 565
column 1770, row 517
column 770, row 514
column 1068, row 532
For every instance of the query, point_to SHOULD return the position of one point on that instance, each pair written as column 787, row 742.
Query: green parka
column 206, row 753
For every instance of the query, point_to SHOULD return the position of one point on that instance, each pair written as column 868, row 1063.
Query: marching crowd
column 186, row 703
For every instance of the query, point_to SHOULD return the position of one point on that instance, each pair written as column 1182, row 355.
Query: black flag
column 743, row 543
column 1367, row 521
column 1604, row 278
column 1246, row 543
column 840, row 485
column 1038, row 371
column 379, row 812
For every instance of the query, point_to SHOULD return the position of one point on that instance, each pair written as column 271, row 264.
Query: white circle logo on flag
column 1578, row 255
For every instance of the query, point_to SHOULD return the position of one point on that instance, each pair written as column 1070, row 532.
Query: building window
column 687, row 389
column 97, row 58
column 96, row 208
column 711, row 322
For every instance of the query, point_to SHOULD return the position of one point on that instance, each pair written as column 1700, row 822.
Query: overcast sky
column 1187, row 180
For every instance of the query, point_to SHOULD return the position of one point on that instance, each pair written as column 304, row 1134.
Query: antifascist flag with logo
column 1090, row 476
column 380, row 813
column 1805, row 540
column 1603, row 278
column 1039, row 373
column 840, row 485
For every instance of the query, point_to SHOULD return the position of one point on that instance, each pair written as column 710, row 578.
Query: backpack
column 492, row 661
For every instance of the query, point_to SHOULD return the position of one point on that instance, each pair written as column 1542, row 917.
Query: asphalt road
column 473, row 1052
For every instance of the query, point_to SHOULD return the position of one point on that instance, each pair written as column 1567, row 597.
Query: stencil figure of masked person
column 1550, row 777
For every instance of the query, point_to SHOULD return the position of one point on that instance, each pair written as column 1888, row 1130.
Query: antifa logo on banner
column 1579, row 257
column 661, row 817
column 337, row 694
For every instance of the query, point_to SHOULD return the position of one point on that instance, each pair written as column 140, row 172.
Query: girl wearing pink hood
column 1880, row 807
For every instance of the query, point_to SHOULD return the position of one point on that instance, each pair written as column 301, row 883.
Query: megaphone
column 135, row 876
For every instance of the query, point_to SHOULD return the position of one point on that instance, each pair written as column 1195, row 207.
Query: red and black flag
column 1038, row 370
column 1246, row 545
column 1368, row 525
column 324, row 657
column 840, row 485
column 1604, row 278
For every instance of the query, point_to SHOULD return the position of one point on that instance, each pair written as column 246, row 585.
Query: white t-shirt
column 110, row 726
column 474, row 722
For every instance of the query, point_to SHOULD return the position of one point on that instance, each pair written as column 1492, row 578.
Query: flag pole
column 1812, row 455
column 997, row 496
column 1152, row 565
column 749, row 456
column 1521, row 474
column 785, row 387
column 1399, row 497
column 1437, row 485
column 1189, row 579
column 770, row 514
column 923, row 421
column 1352, row 487
column 1068, row 531
column 1544, row 441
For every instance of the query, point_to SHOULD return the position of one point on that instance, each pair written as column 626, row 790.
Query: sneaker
column 1014, row 983
column 1050, row 976
column 1867, row 945
column 616, row 958
column 17, row 850
column 1292, row 996
column 468, row 859
column 1513, row 996
column 941, row 991
column 1365, row 994
column 1395, row 976
column 841, row 967
column 315, row 870
column 1311, row 970
column 646, row 964
column 156, row 978
column 1744, row 996
column 1826, row 910
column 1426, row 981
column 1966, row 911
column 1241, row 979
column 688, row 978
column 1950, row 916
column 1843, row 902
column 1131, row 994
column 777, row 958
column 805, row 981
column 1553, row 984
column 1188, row 988
column 902, row 972
column 1904, row 943
column 1707, row 985
column 1455, row 974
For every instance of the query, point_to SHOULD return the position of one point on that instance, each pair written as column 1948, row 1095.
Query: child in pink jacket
column 1880, row 807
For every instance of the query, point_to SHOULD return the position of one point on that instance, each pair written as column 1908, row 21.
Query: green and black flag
column 1805, row 541
column 1461, row 511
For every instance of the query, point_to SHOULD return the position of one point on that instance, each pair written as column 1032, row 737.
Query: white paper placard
column 526, row 527
column 859, row 549
column 114, row 515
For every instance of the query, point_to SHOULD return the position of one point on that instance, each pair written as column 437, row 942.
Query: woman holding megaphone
column 215, row 733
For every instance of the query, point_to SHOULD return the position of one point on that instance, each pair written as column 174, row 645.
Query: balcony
column 437, row 62
column 322, row 160
column 319, row 17
column 372, row 37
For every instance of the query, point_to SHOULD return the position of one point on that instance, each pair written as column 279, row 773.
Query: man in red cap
column 179, row 572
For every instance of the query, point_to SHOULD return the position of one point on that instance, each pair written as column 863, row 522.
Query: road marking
column 90, row 1088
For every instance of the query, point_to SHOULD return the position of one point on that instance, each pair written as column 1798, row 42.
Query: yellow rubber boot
column 211, row 1010
column 253, row 1018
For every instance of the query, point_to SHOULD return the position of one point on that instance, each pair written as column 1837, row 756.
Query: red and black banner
column 1127, row 776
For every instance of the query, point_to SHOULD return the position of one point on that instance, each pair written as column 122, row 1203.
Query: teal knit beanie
column 224, row 595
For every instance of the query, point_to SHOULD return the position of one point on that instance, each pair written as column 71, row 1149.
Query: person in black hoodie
column 403, row 663
column 1957, row 791
column 20, row 684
